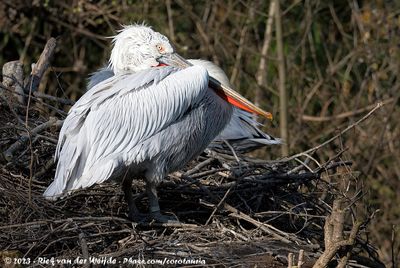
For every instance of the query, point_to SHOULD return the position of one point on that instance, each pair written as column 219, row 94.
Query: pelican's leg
column 154, row 206
column 151, row 190
column 133, row 214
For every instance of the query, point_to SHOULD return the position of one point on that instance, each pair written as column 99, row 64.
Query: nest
column 246, row 212
column 232, row 213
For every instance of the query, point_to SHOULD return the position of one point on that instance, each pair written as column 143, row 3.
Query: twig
column 333, row 162
column 392, row 248
column 72, row 219
column 276, row 233
column 261, row 73
column 343, row 115
column 282, row 178
column 45, row 168
column 53, row 98
column 95, row 37
column 219, row 205
column 85, row 251
column 170, row 225
column 37, row 72
column 239, row 52
column 300, row 261
column 8, row 154
column 283, row 102
column 199, row 166
column 238, row 214
column 386, row 121
column 41, row 66
column 290, row 260
column 170, row 21
column 12, row 109
column 30, row 167
column 39, row 95
column 233, row 151
column 333, row 232
column 13, row 76
column 378, row 106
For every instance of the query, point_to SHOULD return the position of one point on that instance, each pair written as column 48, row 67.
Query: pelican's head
column 138, row 47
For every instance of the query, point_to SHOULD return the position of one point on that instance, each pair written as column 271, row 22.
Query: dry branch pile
column 270, row 213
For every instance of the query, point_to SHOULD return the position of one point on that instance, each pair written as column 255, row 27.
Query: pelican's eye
column 160, row 48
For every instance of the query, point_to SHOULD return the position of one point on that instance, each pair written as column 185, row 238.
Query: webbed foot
column 160, row 218
column 138, row 217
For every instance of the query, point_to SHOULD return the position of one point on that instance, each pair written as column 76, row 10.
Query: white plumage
column 108, row 126
column 242, row 131
column 143, row 122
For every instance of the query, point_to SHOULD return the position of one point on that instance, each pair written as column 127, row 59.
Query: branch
column 334, row 238
column 41, row 66
column 261, row 73
column 283, row 102
column 13, row 76
column 343, row 115
column 378, row 106
column 8, row 154
column 39, row 95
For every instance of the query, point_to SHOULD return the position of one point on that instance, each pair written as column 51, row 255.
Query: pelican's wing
column 105, row 128
column 243, row 134
column 99, row 76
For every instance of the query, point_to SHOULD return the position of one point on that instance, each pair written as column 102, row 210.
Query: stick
column 269, row 229
column 41, row 66
column 52, row 98
column 283, row 102
column 8, row 154
column 13, row 76
column 85, row 251
column 283, row 178
column 199, row 166
column 300, row 261
column 238, row 214
column 72, row 219
column 290, row 260
column 261, row 73
column 39, row 95
column 219, row 205
column 170, row 21
column 378, row 106
column 170, row 225
column 334, row 235
column 343, row 115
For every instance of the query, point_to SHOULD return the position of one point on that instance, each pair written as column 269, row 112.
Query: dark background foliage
column 341, row 58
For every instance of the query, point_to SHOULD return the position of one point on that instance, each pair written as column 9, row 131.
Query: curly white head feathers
column 138, row 47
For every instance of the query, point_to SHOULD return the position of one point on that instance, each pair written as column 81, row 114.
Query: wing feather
column 243, row 131
column 105, row 128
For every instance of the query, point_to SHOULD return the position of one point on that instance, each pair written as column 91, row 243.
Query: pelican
column 241, row 132
column 156, row 113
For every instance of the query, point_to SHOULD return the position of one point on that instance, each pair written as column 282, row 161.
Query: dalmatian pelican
column 150, row 118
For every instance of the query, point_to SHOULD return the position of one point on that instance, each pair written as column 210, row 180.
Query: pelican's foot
column 160, row 218
column 137, row 217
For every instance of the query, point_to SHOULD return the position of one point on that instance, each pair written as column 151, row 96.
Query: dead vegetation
column 341, row 58
column 251, row 212
column 231, row 213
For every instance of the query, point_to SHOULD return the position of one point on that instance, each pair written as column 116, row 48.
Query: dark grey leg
column 151, row 190
column 154, row 206
column 133, row 210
